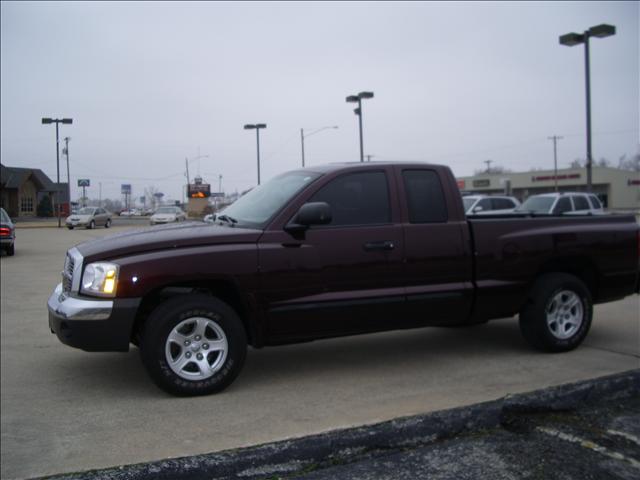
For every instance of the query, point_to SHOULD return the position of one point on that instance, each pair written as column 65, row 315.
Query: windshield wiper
column 227, row 218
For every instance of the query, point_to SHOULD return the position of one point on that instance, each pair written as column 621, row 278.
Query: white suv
column 485, row 204
column 563, row 203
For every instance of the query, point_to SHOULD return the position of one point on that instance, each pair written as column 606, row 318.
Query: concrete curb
column 295, row 456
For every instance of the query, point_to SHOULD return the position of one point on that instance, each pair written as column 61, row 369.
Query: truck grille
column 67, row 273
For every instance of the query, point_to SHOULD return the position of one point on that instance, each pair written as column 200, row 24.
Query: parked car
column 167, row 215
column 482, row 204
column 336, row 250
column 130, row 213
column 7, row 233
column 562, row 203
column 210, row 218
column 89, row 217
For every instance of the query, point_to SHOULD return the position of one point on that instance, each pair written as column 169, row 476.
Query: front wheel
column 91, row 225
column 558, row 313
column 107, row 224
column 193, row 345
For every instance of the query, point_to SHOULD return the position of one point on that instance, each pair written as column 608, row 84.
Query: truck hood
column 150, row 239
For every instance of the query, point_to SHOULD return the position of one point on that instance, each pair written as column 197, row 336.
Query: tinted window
column 468, row 202
column 501, row 203
column 580, row 202
column 424, row 196
column 595, row 202
column 563, row 205
column 357, row 199
column 485, row 203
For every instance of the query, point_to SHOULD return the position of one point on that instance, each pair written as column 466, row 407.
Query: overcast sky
column 149, row 84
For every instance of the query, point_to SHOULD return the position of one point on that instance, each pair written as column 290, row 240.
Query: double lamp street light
column 57, row 121
column 570, row 40
column 358, row 111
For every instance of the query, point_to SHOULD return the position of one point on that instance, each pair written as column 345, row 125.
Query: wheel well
column 580, row 267
column 225, row 291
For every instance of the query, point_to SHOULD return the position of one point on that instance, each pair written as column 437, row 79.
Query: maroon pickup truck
column 336, row 250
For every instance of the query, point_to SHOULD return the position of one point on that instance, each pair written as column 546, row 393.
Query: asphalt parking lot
column 65, row 410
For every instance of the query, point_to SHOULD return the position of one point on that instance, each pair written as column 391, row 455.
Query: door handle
column 373, row 246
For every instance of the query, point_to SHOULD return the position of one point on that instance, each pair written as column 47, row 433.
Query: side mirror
column 313, row 213
column 477, row 209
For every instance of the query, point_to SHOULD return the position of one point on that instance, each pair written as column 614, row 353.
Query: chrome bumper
column 66, row 307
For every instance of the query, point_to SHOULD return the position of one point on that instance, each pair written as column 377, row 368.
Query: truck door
column 340, row 278
column 437, row 258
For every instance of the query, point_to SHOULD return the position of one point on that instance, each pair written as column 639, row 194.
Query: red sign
column 553, row 177
column 460, row 184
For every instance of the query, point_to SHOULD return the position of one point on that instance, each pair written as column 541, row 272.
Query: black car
column 7, row 233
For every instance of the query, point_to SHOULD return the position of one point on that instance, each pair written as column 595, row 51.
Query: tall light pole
column 570, row 40
column 257, row 127
column 303, row 136
column 47, row 121
column 358, row 111
column 555, row 139
column 65, row 150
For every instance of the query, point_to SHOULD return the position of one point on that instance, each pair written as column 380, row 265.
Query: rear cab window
column 595, row 203
column 580, row 202
column 425, row 197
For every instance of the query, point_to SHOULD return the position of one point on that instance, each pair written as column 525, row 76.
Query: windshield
column 4, row 218
column 468, row 202
column 260, row 204
column 537, row 204
column 166, row 210
column 86, row 211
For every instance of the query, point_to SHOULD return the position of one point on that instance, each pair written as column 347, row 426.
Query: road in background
column 67, row 410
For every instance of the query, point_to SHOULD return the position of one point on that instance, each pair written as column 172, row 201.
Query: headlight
column 100, row 278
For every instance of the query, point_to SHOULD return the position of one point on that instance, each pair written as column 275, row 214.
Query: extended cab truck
column 335, row 250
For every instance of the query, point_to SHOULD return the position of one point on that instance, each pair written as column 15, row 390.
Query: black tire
column 70, row 228
column 546, row 300
column 107, row 224
column 11, row 250
column 91, row 225
column 161, row 324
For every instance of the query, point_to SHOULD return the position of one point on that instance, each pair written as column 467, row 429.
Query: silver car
column 167, row 215
column 89, row 217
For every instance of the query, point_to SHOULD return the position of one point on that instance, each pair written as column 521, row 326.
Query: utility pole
column 555, row 139
column 100, row 195
column 66, row 152
column 302, row 141
column 219, row 190
column 57, row 121
column 186, row 161
column 488, row 162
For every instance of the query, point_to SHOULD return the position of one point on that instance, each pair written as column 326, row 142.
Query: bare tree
column 632, row 163
column 577, row 163
column 603, row 162
column 497, row 170
column 151, row 194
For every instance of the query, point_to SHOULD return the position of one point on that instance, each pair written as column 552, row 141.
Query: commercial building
column 617, row 189
column 21, row 190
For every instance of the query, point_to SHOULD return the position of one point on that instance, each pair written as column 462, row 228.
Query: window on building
column 26, row 204
column 424, row 196
column 357, row 199
column 580, row 202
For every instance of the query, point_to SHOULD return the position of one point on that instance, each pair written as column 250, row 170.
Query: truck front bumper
column 94, row 325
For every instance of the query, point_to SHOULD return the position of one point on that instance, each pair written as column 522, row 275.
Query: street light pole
column 57, row 121
column 555, row 139
column 66, row 152
column 257, row 127
column 570, row 40
column 358, row 111
column 303, row 136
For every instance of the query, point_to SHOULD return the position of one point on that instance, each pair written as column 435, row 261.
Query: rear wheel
column 107, row 224
column 70, row 228
column 11, row 250
column 193, row 345
column 558, row 314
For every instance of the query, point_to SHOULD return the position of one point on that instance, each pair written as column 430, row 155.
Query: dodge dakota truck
column 335, row 250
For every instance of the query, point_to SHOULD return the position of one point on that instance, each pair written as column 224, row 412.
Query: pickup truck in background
column 336, row 250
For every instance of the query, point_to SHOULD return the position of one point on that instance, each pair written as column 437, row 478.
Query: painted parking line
column 588, row 444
